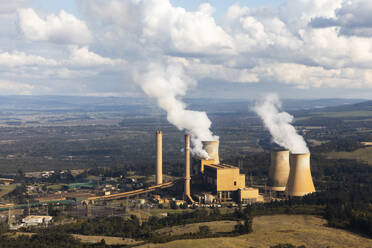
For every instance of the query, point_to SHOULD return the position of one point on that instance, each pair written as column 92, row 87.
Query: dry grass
column 362, row 154
column 271, row 230
column 108, row 240
column 215, row 226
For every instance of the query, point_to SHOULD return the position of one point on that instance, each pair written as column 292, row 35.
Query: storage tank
column 300, row 182
column 211, row 147
column 279, row 170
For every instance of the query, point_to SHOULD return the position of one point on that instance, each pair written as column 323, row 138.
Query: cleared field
column 108, row 240
column 6, row 189
column 215, row 226
column 278, row 229
column 362, row 154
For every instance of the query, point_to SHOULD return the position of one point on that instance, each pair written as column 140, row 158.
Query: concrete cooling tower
column 211, row 147
column 300, row 182
column 279, row 170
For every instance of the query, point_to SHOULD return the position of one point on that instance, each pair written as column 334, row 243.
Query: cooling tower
column 159, row 157
column 300, row 182
column 187, row 166
column 279, row 170
column 211, row 147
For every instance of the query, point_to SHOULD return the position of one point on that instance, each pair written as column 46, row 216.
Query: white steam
column 167, row 82
column 279, row 125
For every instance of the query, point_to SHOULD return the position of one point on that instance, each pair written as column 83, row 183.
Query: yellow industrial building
column 226, row 182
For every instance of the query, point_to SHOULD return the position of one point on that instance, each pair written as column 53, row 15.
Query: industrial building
column 223, row 180
column 216, row 182
column 35, row 220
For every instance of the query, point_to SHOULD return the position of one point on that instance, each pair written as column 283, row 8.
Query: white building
column 35, row 220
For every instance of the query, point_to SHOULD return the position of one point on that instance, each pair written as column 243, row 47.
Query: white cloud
column 298, row 13
column 10, row 88
column 184, row 32
column 304, row 44
column 21, row 59
column 63, row 28
column 82, row 57
column 156, row 24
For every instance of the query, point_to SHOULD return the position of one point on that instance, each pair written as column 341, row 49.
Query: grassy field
column 278, row 229
column 362, row 154
column 215, row 226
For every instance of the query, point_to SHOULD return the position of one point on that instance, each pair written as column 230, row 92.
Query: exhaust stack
column 159, row 157
column 300, row 182
column 211, row 147
column 187, row 168
column 279, row 170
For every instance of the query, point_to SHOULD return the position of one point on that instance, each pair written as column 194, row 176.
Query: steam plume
column 279, row 125
column 167, row 82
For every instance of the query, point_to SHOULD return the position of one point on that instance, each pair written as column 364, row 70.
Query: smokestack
column 211, row 147
column 279, row 170
column 187, row 166
column 300, row 182
column 159, row 157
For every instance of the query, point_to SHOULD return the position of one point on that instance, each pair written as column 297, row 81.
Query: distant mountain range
column 145, row 105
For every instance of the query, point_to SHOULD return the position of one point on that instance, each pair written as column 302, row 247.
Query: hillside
column 279, row 229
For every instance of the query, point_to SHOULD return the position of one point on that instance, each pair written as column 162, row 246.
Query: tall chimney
column 211, row 147
column 300, row 182
column 159, row 157
column 187, row 166
column 279, row 170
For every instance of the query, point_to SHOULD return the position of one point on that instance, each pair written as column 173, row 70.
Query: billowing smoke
column 167, row 82
column 279, row 125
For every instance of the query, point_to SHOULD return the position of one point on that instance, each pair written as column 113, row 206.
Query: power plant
column 216, row 182
column 300, row 182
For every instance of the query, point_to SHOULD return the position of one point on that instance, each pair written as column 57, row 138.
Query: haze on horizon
column 233, row 49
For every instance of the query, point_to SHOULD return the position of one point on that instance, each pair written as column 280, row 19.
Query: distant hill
column 148, row 106
column 363, row 109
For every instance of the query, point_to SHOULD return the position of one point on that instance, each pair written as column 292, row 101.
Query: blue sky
column 246, row 48
column 55, row 5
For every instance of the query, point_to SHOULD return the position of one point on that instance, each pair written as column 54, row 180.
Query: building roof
column 221, row 166
column 37, row 218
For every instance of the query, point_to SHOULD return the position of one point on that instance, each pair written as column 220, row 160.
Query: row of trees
column 133, row 228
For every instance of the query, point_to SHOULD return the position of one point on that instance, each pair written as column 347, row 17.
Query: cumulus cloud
column 305, row 44
column 158, row 24
column 353, row 18
column 62, row 28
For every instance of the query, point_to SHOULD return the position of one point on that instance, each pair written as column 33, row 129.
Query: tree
column 204, row 230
